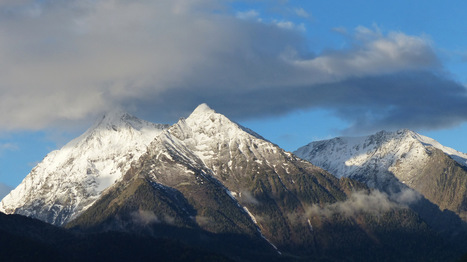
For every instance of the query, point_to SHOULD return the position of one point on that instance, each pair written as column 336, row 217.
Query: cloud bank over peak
column 70, row 60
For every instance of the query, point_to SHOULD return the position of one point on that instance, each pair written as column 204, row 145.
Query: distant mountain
column 212, row 183
column 391, row 161
column 71, row 179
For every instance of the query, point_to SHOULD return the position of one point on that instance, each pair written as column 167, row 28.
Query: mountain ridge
column 235, row 188
column 392, row 160
column 215, row 185
column 70, row 179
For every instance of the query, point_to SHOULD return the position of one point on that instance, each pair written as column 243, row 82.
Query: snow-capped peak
column 204, row 123
column 69, row 180
column 209, row 136
column 205, row 118
column 202, row 109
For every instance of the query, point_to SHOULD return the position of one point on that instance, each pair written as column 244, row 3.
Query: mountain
column 212, row 183
column 67, row 181
column 392, row 161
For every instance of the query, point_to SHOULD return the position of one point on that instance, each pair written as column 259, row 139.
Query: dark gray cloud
column 412, row 99
column 66, row 61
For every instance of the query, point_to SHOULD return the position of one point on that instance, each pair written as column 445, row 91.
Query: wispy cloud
column 289, row 25
column 375, row 203
column 302, row 12
column 8, row 147
column 250, row 14
column 247, row 197
column 70, row 60
column 144, row 217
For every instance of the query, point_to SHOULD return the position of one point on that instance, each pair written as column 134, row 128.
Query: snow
column 202, row 109
column 231, row 194
column 71, row 179
column 459, row 157
column 259, row 230
column 309, row 224
column 251, row 215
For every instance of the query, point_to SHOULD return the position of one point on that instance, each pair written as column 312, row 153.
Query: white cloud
column 290, row 25
column 70, row 60
column 406, row 196
column 375, row 53
column 302, row 12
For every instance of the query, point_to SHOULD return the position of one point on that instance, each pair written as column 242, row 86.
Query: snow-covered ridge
column 69, row 180
column 346, row 148
column 379, row 154
column 459, row 157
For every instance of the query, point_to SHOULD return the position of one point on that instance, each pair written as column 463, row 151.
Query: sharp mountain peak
column 203, row 109
column 204, row 117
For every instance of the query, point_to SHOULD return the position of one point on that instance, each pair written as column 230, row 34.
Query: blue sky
column 293, row 71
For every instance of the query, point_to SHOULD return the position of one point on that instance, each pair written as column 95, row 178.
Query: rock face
column 391, row 160
column 209, row 176
column 71, row 179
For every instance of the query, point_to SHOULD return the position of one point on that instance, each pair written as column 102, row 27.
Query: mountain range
column 391, row 161
column 212, row 185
